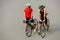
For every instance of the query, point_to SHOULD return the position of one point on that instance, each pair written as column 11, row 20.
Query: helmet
column 41, row 6
column 28, row 4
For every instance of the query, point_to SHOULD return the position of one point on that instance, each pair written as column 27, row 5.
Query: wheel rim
column 28, row 34
column 43, row 32
column 48, row 22
column 36, row 23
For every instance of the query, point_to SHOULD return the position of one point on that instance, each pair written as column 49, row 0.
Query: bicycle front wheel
column 43, row 31
column 29, row 33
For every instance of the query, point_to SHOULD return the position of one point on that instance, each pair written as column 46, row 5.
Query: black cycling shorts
column 30, row 20
column 43, row 19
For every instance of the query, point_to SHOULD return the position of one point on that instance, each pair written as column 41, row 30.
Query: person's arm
column 45, row 11
column 24, row 13
column 31, row 13
column 39, row 13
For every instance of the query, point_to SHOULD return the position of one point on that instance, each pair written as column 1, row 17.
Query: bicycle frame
column 43, row 31
column 43, row 23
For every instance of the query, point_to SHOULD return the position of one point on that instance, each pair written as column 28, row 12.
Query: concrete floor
column 12, row 15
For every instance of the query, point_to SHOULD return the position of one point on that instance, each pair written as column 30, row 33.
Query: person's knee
column 26, row 24
column 46, row 24
column 39, row 25
column 32, row 23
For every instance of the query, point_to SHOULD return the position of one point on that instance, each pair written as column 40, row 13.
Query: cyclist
column 42, row 15
column 29, row 16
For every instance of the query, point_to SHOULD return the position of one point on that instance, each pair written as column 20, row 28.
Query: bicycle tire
column 43, row 31
column 48, row 22
column 36, row 23
column 28, row 34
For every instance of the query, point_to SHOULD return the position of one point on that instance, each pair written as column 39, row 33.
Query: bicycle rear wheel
column 48, row 22
column 36, row 23
column 43, row 31
column 29, row 33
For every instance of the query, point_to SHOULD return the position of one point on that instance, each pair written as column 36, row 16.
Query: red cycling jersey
column 28, row 12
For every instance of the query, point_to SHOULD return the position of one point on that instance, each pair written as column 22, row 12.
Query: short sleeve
column 38, row 10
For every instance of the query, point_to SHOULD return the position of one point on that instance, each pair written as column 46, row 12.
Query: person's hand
column 43, row 20
column 31, row 19
column 25, row 19
column 40, row 20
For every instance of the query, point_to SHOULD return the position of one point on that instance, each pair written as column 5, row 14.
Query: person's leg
column 34, row 27
column 48, row 29
column 39, row 26
column 32, row 23
column 26, row 28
